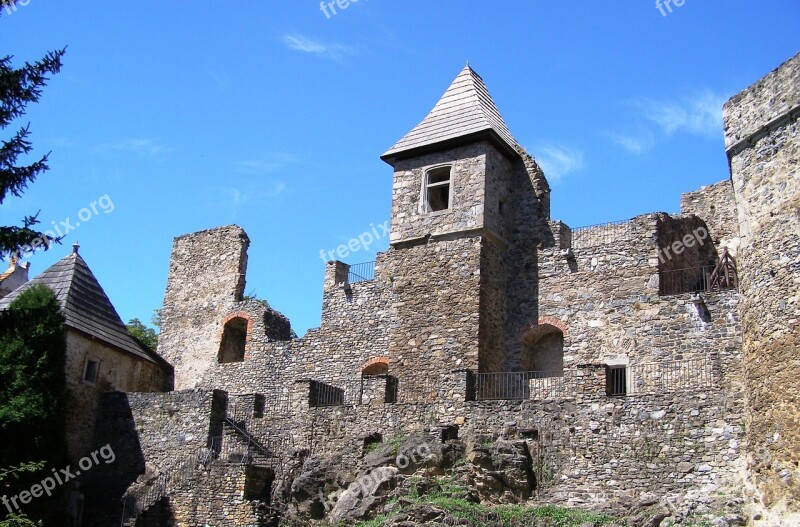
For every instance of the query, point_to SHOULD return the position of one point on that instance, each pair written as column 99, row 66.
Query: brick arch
column 243, row 315
column 544, row 326
column 543, row 343
column 239, row 314
column 375, row 366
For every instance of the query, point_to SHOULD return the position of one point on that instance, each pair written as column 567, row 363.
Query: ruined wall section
column 355, row 322
column 607, row 296
column 206, row 281
column 762, row 137
column 590, row 448
column 716, row 205
column 355, row 328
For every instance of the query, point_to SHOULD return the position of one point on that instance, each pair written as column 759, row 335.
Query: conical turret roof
column 466, row 112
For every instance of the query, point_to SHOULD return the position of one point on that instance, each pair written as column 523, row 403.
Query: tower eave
column 392, row 156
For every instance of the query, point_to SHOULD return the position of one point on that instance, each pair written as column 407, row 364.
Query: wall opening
column 259, row 405
column 90, row 371
column 616, row 381
column 544, row 351
column 375, row 368
column 234, row 341
column 437, row 189
column 371, row 442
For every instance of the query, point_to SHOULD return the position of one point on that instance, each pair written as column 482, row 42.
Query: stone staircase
column 237, row 446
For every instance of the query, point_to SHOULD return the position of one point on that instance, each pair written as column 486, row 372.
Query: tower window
column 437, row 189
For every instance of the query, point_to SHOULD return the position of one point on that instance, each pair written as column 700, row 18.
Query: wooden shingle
column 465, row 112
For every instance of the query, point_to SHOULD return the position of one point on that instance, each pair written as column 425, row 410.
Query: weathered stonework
column 762, row 136
column 116, row 372
column 603, row 364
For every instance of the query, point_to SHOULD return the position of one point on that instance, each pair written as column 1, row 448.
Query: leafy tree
column 143, row 334
column 32, row 379
column 156, row 318
column 18, row 88
column 17, row 520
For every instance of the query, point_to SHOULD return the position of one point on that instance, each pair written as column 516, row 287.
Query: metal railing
column 689, row 280
column 522, row 385
column 322, row 394
column 362, row 272
column 672, row 376
column 351, row 392
column 601, row 234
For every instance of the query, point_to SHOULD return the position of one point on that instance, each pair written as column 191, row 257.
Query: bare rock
column 363, row 497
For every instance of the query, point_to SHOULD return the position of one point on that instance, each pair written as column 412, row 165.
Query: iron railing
column 616, row 381
column 690, row 280
column 322, row 394
column 672, row 376
column 522, row 385
column 351, row 392
column 601, row 234
column 362, row 272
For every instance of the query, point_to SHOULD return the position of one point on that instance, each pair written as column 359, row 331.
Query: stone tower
column 468, row 207
column 206, row 282
column 762, row 139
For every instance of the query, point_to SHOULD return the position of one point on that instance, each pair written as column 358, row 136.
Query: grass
column 508, row 515
column 396, row 442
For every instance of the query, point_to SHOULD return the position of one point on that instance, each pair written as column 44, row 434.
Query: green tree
column 18, row 88
column 32, row 379
column 143, row 334
column 16, row 520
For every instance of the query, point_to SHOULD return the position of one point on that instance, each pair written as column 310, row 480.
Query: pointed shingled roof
column 466, row 111
column 85, row 305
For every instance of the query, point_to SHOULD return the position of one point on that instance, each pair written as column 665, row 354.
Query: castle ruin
column 651, row 357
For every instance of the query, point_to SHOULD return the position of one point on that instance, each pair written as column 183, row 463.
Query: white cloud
column 634, row 143
column 304, row 44
column 236, row 197
column 557, row 161
column 143, row 147
column 700, row 114
column 263, row 165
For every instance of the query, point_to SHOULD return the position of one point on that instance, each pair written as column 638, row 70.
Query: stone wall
column 468, row 188
column 763, row 141
column 466, row 297
column 716, row 205
column 593, row 448
column 220, row 495
column 152, row 435
column 206, row 280
column 117, row 371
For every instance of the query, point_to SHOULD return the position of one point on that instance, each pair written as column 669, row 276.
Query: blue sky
column 272, row 115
